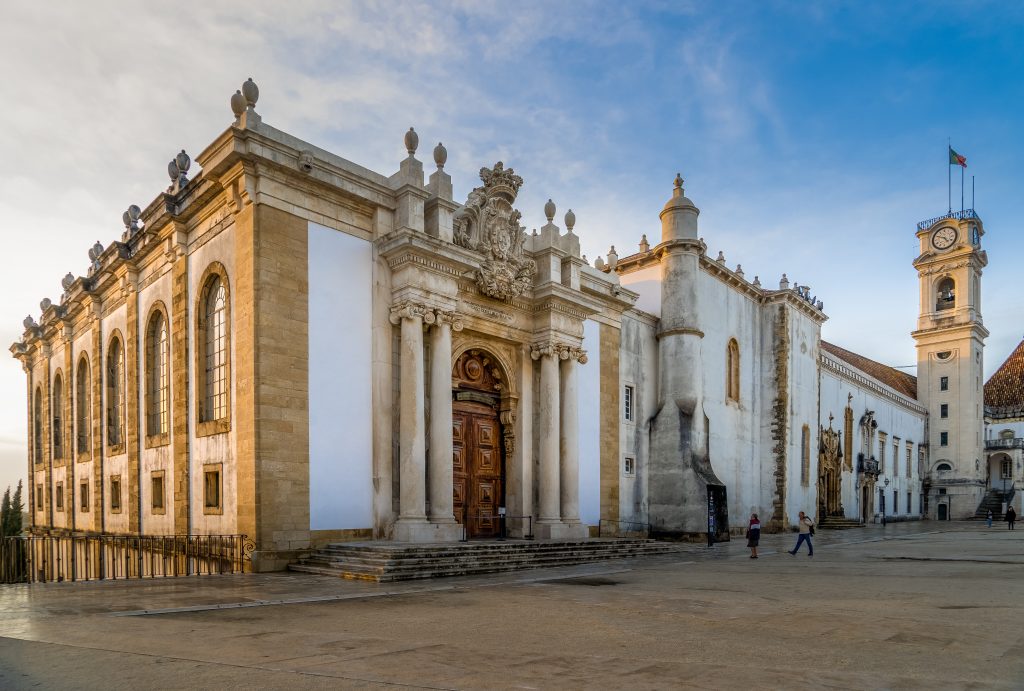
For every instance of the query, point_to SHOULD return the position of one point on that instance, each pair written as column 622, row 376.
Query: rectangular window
column 211, row 488
column 943, row 438
column 943, row 383
column 115, row 494
column 910, row 499
column 39, row 497
column 895, row 502
column 627, row 403
column 629, row 466
column 942, row 490
column 895, row 455
column 83, row 495
column 944, row 410
column 156, row 485
column 910, row 455
column 1006, row 470
column 59, row 497
column 882, row 439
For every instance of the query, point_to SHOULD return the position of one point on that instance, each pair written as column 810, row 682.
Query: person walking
column 1011, row 516
column 988, row 519
column 753, row 535
column 806, row 527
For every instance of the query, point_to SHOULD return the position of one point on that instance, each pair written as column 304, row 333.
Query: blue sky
column 811, row 135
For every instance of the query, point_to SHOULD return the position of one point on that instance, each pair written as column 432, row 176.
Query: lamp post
column 883, row 501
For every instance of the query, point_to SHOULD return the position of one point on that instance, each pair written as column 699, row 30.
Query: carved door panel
column 478, row 486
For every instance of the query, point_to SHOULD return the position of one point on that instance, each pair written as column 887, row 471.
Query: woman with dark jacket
column 753, row 535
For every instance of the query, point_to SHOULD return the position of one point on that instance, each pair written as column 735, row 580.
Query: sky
column 812, row 136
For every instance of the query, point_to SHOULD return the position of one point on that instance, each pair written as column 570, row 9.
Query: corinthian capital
column 408, row 309
column 539, row 350
column 452, row 319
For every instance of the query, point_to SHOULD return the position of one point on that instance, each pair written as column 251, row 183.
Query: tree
column 10, row 513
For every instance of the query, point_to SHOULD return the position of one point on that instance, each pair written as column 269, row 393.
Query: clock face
column 944, row 238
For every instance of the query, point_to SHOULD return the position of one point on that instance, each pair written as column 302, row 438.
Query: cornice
column 855, row 376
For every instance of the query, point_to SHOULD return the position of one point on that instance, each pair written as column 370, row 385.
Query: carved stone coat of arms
column 488, row 223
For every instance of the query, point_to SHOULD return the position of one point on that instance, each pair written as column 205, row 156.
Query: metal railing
column 502, row 519
column 957, row 215
column 633, row 528
column 50, row 558
column 1015, row 443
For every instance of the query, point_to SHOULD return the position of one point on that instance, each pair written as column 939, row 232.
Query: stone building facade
column 290, row 346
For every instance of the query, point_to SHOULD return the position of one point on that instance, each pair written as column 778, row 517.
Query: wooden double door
column 478, row 467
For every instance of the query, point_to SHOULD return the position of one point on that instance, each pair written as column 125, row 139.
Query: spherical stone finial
column 739, row 270
column 412, row 140
column 757, row 282
column 44, row 304
column 28, row 322
column 251, row 92
column 237, row 104
column 549, row 210
column 97, row 249
column 172, row 170
column 134, row 212
column 570, row 220
column 440, row 155
column 183, row 161
column 67, row 281
column 126, row 219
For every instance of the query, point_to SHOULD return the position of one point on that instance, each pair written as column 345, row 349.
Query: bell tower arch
column 950, row 338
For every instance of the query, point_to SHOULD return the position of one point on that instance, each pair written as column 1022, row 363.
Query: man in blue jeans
column 804, row 524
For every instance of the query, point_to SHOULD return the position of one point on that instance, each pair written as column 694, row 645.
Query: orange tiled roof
column 1006, row 387
column 905, row 383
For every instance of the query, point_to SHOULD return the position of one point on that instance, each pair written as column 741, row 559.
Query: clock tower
column 950, row 339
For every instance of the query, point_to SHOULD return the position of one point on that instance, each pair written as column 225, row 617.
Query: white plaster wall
column 733, row 439
column 114, row 465
column 805, row 335
column 158, row 458
column 646, row 282
column 894, row 420
column 340, row 404
column 994, row 428
column 589, row 414
column 638, row 367
column 217, row 448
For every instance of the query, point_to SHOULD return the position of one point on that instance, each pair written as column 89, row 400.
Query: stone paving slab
column 923, row 605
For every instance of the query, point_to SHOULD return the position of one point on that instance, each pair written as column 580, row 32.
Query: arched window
column 214, row 344
column 1006, row 434
column 158, row 354
column 115, row 393
column 37, row 426
column 732, row 369
column 943, row 467
column 945, row 295
column 82, row 416
column 57, row 415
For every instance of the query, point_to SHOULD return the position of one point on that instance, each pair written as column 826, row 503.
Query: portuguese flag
column 956, row 159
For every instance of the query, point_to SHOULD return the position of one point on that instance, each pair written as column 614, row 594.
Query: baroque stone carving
column 411, row 310
column 561, row 351
column 489, row 224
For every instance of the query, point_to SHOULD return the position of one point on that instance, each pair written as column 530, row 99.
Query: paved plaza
column 913, row 605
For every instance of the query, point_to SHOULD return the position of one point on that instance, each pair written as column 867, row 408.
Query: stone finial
column 251, row 92
column 177, row 171
column 783, row 283
column 820, row 305
column 570, row 220
column 585, row 260
column 28, row 322
column 237, row 103
column 599, row 264
column 678, row 182
column 721, row 257
column 549, row 210
column 131, row 220
column 412, row 140
column 440, row 155
column 67, row 281
column 644, row 245
column 757, row 282
column 613, row 258
column 739, row 270
column 44, row 304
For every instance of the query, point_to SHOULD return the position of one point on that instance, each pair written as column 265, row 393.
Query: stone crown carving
column 488, row 223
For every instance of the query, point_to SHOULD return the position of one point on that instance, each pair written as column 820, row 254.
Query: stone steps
column 834, row 523
column 384, row 562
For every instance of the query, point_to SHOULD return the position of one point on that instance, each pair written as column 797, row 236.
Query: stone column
column 412, row 427
column 548, row 413
column 569, row 443
column 441, row 446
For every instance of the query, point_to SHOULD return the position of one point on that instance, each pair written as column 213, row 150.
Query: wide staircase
column 403, row 561
column 838, row 523
column 993, row 501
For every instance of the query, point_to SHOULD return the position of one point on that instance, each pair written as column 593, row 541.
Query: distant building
column 291, row 346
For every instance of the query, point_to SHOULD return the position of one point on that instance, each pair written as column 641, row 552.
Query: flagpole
column 972, row 192
column 961, row 190
column 949, row 176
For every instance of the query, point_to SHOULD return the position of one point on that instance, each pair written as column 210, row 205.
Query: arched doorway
column 478, row 463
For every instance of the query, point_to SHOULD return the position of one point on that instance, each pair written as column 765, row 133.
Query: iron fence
column 51, row 558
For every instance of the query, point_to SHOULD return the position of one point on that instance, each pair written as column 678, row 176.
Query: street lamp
column 883, row 500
